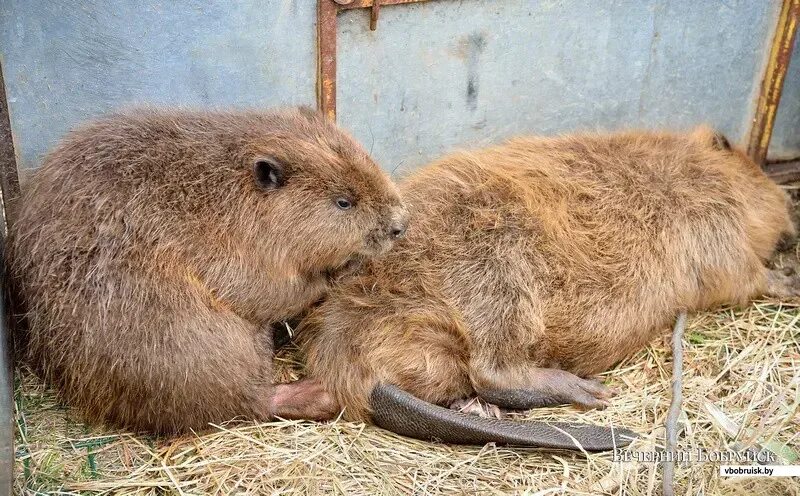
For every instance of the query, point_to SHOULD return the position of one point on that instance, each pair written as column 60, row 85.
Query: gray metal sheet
column 433, row 77
column 445, row 74
column 65, row 61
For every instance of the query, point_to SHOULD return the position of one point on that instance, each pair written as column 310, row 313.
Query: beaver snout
column 397, row 231
column 392, row 227
column 398, row 224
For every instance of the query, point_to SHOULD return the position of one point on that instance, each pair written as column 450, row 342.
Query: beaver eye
column 344, row 203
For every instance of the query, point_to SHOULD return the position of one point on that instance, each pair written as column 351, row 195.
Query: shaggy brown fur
column 533, row 264
column 154, row 248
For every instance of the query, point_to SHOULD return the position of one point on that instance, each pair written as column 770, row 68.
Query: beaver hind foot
column 550, row 387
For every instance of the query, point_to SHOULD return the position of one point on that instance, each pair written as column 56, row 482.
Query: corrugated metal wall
column 434, row 76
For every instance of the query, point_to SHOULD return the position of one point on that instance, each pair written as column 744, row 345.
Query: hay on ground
column 741, row 388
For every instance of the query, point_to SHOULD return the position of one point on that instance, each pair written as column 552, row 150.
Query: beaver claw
column 476, row 406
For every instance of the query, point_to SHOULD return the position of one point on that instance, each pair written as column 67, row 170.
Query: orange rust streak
column 326, row 57
column 363, row 4
column 772, row 83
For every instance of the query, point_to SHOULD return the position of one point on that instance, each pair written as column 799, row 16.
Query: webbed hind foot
column 551, row 387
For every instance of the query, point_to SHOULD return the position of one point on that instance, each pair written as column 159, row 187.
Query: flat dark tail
column 402, row 413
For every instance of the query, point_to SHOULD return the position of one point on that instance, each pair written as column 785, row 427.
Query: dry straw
column 741, row 388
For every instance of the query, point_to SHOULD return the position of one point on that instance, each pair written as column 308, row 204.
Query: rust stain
column 327, row 11
column 364, row 4
column 373, row 15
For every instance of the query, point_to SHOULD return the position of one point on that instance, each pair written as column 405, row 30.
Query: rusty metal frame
column 327, row 12
column 772, row 86
column 9, row 190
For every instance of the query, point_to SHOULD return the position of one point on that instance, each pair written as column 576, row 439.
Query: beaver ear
column 269, row 173
column 707, row 136
column 720, row 142
column 309, row 113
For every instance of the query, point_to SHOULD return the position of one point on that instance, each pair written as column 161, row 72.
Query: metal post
column 772, row 84
column 9, row 190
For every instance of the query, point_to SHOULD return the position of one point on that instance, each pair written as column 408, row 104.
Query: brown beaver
column 532, row 266
column 153, row 249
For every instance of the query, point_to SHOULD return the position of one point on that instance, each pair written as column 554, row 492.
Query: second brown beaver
column 532, row 266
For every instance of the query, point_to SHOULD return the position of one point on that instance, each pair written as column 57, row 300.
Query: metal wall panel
column 65, row 61
column 444, row 74
column 434, row 76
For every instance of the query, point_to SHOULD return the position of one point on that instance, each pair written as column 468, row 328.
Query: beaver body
column 533, row 265
column 153, row 248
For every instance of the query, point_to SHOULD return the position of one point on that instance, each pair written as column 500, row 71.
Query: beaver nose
column 397, row 230
column 397, row 223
